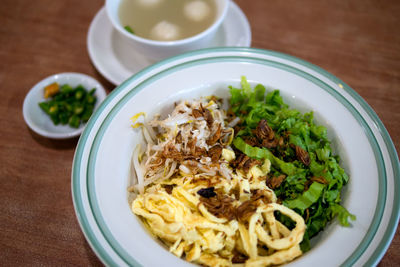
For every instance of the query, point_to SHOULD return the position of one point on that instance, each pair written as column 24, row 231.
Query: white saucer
column 116, row 60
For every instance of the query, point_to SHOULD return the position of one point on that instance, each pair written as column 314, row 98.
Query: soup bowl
column 156, row 50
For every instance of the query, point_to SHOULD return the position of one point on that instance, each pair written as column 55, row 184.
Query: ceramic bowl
column 102, row 164
column 40, row 122
column 157, row 50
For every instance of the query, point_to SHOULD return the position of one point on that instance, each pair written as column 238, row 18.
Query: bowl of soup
column 162, row 28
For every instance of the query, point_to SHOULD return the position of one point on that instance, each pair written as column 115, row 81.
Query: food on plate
column 245, row 182
column 167, row 20
column 67, row 105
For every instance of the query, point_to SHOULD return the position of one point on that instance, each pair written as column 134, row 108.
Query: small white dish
column 40, row 122
column 117, row 60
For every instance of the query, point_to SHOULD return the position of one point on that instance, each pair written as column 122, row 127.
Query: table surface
column 356, row 40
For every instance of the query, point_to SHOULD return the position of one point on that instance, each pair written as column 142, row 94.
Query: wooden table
column 356, row 40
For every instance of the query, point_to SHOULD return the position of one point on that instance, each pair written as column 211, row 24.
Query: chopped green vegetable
column 314, row 177
column 74, row 121
column 264, row 153
column 79, row 94
column 45, row 107
column 308, row 198
column 69, row 105
column 129, row 29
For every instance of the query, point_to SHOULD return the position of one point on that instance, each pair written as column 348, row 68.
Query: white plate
column 117, row 60
column 101, row 168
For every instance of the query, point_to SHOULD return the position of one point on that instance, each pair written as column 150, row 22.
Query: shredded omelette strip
column 204, row 210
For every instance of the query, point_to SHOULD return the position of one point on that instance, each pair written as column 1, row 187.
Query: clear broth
column 142, row 18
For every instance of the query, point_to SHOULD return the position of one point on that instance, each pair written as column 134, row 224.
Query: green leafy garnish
column 308, row 198
column 264, row 153
column 129, row 29
column 314, row 178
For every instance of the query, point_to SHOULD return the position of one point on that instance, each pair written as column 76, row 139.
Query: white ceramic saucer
column 117, row 60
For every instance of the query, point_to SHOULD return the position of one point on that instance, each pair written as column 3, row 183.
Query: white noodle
column 138, row 168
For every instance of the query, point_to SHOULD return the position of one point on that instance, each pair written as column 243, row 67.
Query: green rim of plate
column 76, row 190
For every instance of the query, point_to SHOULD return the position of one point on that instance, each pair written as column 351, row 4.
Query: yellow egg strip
column 279, row 257
column 295, row 236
column 135, row 117
column 181, row 220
